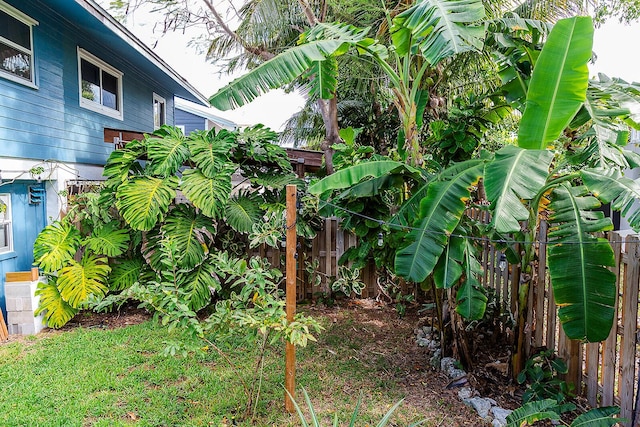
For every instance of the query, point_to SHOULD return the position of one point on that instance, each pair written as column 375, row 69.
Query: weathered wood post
column 290, row 255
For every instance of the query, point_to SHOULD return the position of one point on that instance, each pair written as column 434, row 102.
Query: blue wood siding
column 190, row 121
column 27, row 220
column 48, row 122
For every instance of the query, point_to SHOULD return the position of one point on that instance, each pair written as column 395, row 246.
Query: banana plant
column 421, row 37
column 537, row 176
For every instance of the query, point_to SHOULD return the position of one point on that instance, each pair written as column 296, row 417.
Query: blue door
column 25, row 219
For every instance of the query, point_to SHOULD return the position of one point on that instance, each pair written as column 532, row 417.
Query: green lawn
column 119, row 377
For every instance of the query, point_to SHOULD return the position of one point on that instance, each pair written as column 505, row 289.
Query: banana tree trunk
column 329, row 110
column 526, row 281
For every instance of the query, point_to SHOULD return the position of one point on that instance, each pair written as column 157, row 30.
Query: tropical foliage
column 167, row 205
column 559, row 169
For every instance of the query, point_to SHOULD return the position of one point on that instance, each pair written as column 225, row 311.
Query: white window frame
column 5, row 222
column 103, row 66
column 30, row 22
column 157, row 98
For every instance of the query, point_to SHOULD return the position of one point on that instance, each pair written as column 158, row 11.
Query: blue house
column 190, row 116
column 73, row 81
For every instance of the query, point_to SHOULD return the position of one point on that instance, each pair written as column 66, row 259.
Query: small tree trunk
column 329, row 111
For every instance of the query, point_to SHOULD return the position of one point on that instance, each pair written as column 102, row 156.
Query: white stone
column 500, row 416
column 480, row 404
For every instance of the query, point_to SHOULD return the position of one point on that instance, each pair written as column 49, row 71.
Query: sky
column 614, row 47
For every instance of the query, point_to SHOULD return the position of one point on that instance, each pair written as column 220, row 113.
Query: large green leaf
column 211, row 151
column 191, row 233
column 57, row 312
column 559, row 83
column 209, row 194
column 324, row 75
column 350, row 176
column 289, row 65
column 121, row 161
column 440, row 28
column 598, row 417
column 610, row 186
column 471, row 302
column 109, row 240
column 514, row 175
column 81, row 281
column 583, row 287
column 143, row 201
column 449, row 269
column 242, row 211
column 199, row 284
column 167, row 151
column 441, row 211
column 533, row 411
column 55, row 246
column 124, row 273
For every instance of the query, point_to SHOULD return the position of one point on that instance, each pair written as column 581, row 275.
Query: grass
column 119, row 377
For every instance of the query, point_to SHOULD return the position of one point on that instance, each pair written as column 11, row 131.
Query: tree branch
column 311, row 17
column 263, row 54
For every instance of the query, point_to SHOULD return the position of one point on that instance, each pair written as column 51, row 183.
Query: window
column 100, row 85
column 159, row 111
column 16, row 45
column 6, row 239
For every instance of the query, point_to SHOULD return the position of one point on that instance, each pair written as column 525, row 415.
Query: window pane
column 109, row 90
column 4, row 236
column 15, row 62
column 90, row 81
column 14, row 30
column 158, row 113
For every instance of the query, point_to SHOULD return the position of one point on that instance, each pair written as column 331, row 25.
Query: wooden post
column 290, row 351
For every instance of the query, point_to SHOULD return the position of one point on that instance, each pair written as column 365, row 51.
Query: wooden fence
column 605, row 373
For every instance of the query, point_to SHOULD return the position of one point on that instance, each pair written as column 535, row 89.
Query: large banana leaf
column 440, row 28
column 80, row 281
column 533, row 411
column 289, row 65
column 124, row 273
column 324, row 75
column 191, row 233
column 210, row 151
column 109, row 240
column 514, row 175
column 167, row 151
column 55, row 246
column 583, row 287
column 471, row 301
column 208, row 194
column 559, row 83
column 143, row 201
column 440, row 213
column 610, row 186
column 350, row 176
column 57, row 312
column 449, row 270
